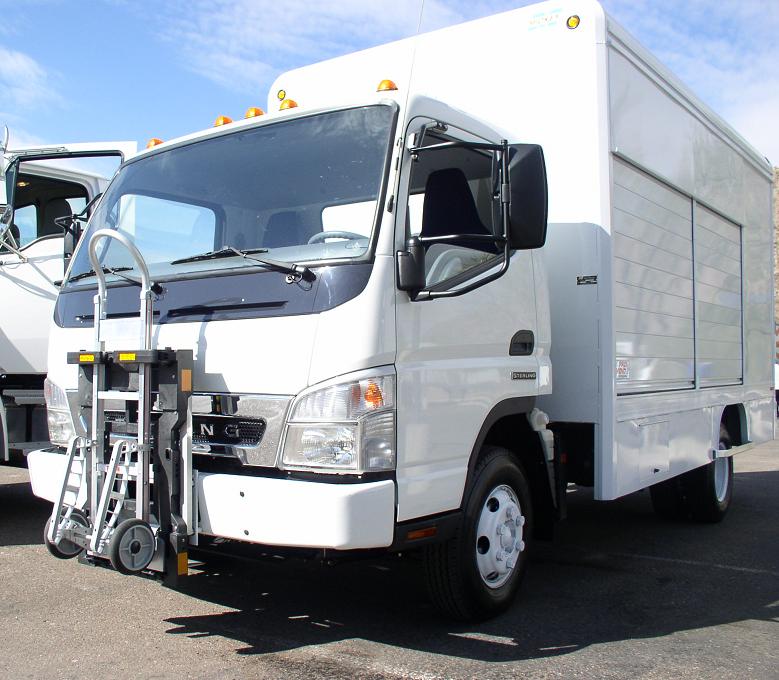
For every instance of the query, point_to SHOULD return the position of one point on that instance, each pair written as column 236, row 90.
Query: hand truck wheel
column 132, row 546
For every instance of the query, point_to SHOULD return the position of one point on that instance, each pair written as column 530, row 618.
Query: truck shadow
column 614, row 572
column 23, row 515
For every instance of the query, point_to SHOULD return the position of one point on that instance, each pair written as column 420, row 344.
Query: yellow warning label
column 126, row 356
column 86, row 358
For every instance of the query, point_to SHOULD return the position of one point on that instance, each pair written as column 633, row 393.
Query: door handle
column 522, row 344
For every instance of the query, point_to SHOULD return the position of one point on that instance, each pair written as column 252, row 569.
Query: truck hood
column 279, row 355
column 270, row 355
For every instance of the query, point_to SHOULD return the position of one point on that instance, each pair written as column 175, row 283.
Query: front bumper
column 292, row 513
column 279, row 512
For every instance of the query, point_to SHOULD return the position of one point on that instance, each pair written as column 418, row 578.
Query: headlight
column 61, row 428
column 344, row 427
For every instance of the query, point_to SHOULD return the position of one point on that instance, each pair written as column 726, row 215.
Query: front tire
column 476, row 574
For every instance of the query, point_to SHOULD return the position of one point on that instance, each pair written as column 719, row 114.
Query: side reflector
column 186, row 380
column 386, row 86
column 288, row 104
column 222, row 120
column 86, row 358
column 253, row 112
column 153, row 142
column 183, row 564
column 427, row 532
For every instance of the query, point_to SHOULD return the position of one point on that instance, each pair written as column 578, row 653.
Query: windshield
column 302, row 190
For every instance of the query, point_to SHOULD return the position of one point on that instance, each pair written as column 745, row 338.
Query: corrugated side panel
column 653, row 283
column 718, row 298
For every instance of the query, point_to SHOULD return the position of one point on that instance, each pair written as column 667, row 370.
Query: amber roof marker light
column 386, row 86
column 254, row 112
column 573, row 21
column 288, row 104
column 154, row 141
column 222, row 120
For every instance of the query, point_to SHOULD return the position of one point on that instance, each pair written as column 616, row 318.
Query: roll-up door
column 718, row 298
column 653, row 283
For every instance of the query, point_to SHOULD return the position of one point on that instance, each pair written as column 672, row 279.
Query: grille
column 227, row 431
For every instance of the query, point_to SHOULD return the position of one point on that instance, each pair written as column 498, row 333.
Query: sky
column 93, row 70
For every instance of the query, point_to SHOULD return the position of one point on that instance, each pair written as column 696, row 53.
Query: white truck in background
column 365, row 326
column 35, row 248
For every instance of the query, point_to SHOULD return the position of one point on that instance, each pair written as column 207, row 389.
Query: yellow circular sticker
column 282, row 95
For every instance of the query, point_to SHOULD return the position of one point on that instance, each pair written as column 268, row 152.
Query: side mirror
column 411, row 266
column 528, row 207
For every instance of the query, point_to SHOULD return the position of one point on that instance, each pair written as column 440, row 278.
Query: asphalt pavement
column 618, row 594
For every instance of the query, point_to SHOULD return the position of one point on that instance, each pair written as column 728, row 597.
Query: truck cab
column 41, row 189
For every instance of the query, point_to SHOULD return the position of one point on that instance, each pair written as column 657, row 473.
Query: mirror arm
column 8, row 241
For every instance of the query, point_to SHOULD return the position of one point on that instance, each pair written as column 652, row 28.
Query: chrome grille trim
column 272, row 408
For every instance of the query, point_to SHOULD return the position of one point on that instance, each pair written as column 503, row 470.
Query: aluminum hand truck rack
column 124, row 487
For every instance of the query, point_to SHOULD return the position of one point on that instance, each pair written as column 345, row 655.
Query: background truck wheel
column 66, row 549
column 703, row 494
column 476, row 573
column 132, row 546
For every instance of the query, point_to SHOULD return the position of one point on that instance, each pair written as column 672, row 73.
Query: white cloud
column 24, row 82
column 726, row 52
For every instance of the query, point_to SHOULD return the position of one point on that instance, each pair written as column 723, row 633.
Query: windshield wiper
column 294, row 272
column 116, row 271
column 106, row 270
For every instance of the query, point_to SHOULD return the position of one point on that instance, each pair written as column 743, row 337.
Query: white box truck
column 37, row 237
column 364, row 325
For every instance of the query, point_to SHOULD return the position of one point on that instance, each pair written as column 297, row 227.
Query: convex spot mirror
column 528, row 207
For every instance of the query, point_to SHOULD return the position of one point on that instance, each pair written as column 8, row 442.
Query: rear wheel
column 710, row 488
column 703, row 494
column 476, row 574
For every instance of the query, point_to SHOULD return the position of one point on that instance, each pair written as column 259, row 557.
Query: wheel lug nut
column 511, row 512
column 501, row 529
column 499, row 556
column 511, row 562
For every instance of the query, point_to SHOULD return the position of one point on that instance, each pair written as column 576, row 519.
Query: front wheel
column 476, row 574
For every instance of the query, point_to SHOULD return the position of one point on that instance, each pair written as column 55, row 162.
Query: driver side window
column 453, row 194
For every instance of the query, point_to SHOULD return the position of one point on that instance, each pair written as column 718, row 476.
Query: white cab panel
column 453, row 367
column 27, row 298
